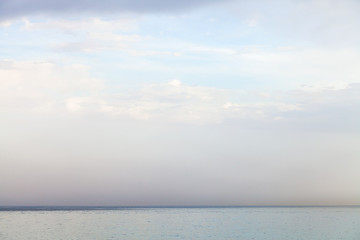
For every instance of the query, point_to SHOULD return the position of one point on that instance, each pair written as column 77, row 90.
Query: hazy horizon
column 179, row 103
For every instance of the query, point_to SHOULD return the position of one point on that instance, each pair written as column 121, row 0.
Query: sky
column 165, row 102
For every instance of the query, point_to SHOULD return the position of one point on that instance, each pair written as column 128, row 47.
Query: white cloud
column 172, row 101
column 5, row 24
column 83, row 25
column 32, row 85
column 46, row 86
column 49, row 87
column 252, row 21
column 98, row 41
column 97, row 34
column 88, row 35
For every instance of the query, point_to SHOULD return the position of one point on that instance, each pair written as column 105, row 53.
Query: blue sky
column 191, row 102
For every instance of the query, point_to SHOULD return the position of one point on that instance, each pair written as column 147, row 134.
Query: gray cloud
column 328, row 110
column 328, row 23
column 16, row 8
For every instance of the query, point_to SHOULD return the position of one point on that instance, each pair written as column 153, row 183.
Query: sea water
column 243, row 223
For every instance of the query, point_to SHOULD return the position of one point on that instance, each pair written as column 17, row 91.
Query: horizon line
column 119, row 207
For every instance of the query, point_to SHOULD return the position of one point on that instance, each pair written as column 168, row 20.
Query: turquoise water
column 291, row 223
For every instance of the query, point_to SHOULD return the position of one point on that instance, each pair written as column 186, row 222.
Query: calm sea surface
column 288, row 223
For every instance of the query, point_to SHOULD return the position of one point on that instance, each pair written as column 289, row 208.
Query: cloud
column 82, row 25
column 174, row 102
column 5, row 23
column 252, row 21
column 42, row 86
column 49, row 87
column 330, row 108
column 17, row 8
column 101, row 41
column 331, row 22
column 29, row 86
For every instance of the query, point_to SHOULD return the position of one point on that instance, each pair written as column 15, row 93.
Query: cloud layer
column 48, row 87
column 17, row 8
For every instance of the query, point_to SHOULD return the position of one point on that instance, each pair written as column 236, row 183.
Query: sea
column 167, row 223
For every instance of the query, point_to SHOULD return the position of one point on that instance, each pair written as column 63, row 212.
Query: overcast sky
column 179, row 102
